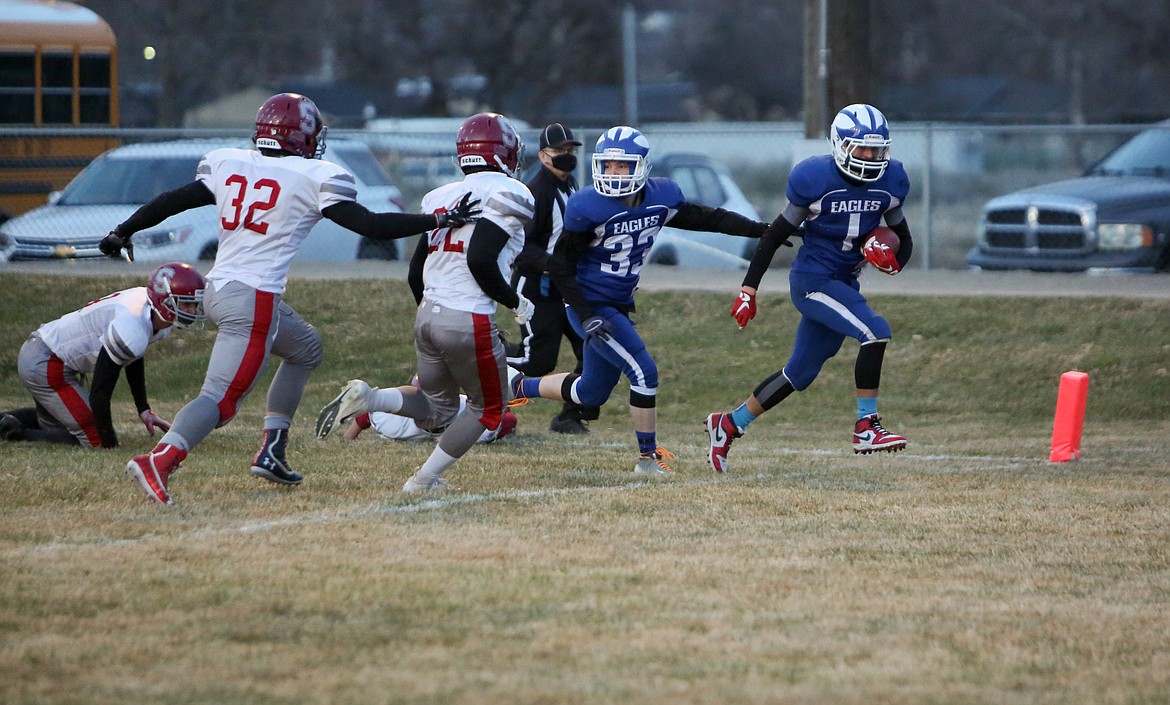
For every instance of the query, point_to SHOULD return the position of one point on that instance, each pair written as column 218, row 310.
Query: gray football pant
column 251, row 325
column 61, row 397
column 457, row 351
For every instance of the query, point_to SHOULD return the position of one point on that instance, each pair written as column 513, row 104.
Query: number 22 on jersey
column 264, row 193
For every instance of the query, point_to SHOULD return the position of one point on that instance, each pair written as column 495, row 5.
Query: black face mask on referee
column 564, row 162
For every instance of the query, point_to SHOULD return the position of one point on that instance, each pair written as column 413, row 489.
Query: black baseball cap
column 557, row 135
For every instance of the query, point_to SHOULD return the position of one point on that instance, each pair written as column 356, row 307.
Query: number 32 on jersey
column 264, row 193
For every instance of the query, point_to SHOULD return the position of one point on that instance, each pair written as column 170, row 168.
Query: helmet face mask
column 173, row 286
column 621, row 144
column 488, row 140
column 290, row 122
column 855, row 127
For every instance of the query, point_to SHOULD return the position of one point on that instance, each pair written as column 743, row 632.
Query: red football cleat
column 722, row 431
column 152, row 471
column 869, row 436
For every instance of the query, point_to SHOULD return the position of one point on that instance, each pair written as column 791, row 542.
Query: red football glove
column 151, row 421
column 881, row 257
column 744, row 309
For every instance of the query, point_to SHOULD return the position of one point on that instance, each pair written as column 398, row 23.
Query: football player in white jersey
column 395, row 427
column 101, row 339
column 458, row 276
column 268, row 199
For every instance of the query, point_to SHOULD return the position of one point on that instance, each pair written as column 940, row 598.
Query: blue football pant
column 606, row 361
column 831, row 310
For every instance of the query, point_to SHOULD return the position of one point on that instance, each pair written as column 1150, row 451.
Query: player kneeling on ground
column 103, row 338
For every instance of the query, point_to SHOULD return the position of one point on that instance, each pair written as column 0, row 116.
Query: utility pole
column 837, row 65
column 630, row 64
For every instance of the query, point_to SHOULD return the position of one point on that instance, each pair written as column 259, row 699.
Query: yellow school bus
column 58, row 72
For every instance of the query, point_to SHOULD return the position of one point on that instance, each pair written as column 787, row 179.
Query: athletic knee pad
column 567, row 386
column 867, row 371
column 773, row 390
column 642, row 401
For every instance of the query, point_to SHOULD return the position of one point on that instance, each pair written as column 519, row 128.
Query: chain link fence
column 954, row 170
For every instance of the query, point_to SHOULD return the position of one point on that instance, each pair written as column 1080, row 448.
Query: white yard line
column 456, row 499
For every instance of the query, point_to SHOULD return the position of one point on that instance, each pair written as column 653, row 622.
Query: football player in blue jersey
column 839, row 198
column 608, row 231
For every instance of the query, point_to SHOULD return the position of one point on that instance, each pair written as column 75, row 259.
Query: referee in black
column 540, row 339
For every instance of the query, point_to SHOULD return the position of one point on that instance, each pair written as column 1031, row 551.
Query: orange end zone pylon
column 1070, row 417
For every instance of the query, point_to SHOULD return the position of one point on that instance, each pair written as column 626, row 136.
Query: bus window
column 58, row 69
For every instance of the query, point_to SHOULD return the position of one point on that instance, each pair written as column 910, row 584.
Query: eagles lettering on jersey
column 446, row 278
column 840, row 212
column 609, row 269
column 266, row 207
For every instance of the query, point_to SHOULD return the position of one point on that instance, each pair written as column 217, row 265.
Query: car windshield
column 363, row 164
column 128, row 181
column 1147, row 154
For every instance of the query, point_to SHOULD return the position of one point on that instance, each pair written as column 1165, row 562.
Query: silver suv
column 118, row 182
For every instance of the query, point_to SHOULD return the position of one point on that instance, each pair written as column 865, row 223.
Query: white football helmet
column 856, row 126
column 621, row 144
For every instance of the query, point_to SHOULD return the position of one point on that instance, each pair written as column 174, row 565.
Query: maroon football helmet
column 292, row 123
column 488, row 139
column 176, row 283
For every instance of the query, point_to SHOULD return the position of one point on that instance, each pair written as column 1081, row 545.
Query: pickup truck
column 1115, row 217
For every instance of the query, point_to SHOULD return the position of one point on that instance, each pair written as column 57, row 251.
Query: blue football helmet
column 857, row 126
column 621, row 144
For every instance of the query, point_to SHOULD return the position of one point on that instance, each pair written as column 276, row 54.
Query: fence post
column 927, row 200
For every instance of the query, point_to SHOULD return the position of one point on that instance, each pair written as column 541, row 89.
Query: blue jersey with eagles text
column 609, row 270
column 840, row 212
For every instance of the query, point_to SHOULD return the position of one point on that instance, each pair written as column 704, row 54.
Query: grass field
column 967, row 569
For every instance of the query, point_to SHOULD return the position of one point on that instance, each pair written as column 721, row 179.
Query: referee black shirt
column 530, row 276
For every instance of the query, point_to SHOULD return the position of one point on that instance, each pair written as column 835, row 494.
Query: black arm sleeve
column 378, row 226
column 105, row 378
column 533, row 258
column 906, row 244
column 562, row 269
column 165, row 205
column 775, row 236
column 136, row 379
column 483, row 251
column 692, row 216
column 414, row 275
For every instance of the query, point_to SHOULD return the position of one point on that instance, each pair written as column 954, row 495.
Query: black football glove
column 597, row 328
column 113, row 244
column 465, row 212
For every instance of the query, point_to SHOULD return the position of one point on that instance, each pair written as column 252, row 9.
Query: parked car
column 707, row 182
column 119, row 181
column 1115, row 217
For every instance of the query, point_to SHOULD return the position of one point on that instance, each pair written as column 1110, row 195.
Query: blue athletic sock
column 530, row 387
column 647, row 442
column 866, row 407
column 741, row 417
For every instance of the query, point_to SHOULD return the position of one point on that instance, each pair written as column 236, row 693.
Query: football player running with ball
column 268, row 199
column 839, row 198
column 458, row 276
column 608, row 231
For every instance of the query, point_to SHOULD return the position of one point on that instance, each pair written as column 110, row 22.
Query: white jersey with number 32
column 446, row 278
column 266, row 208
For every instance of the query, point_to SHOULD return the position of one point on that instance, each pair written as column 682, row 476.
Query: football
column 882, row 235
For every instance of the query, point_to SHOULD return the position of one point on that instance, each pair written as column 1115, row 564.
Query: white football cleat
column 415, row 485
column 353, row 400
